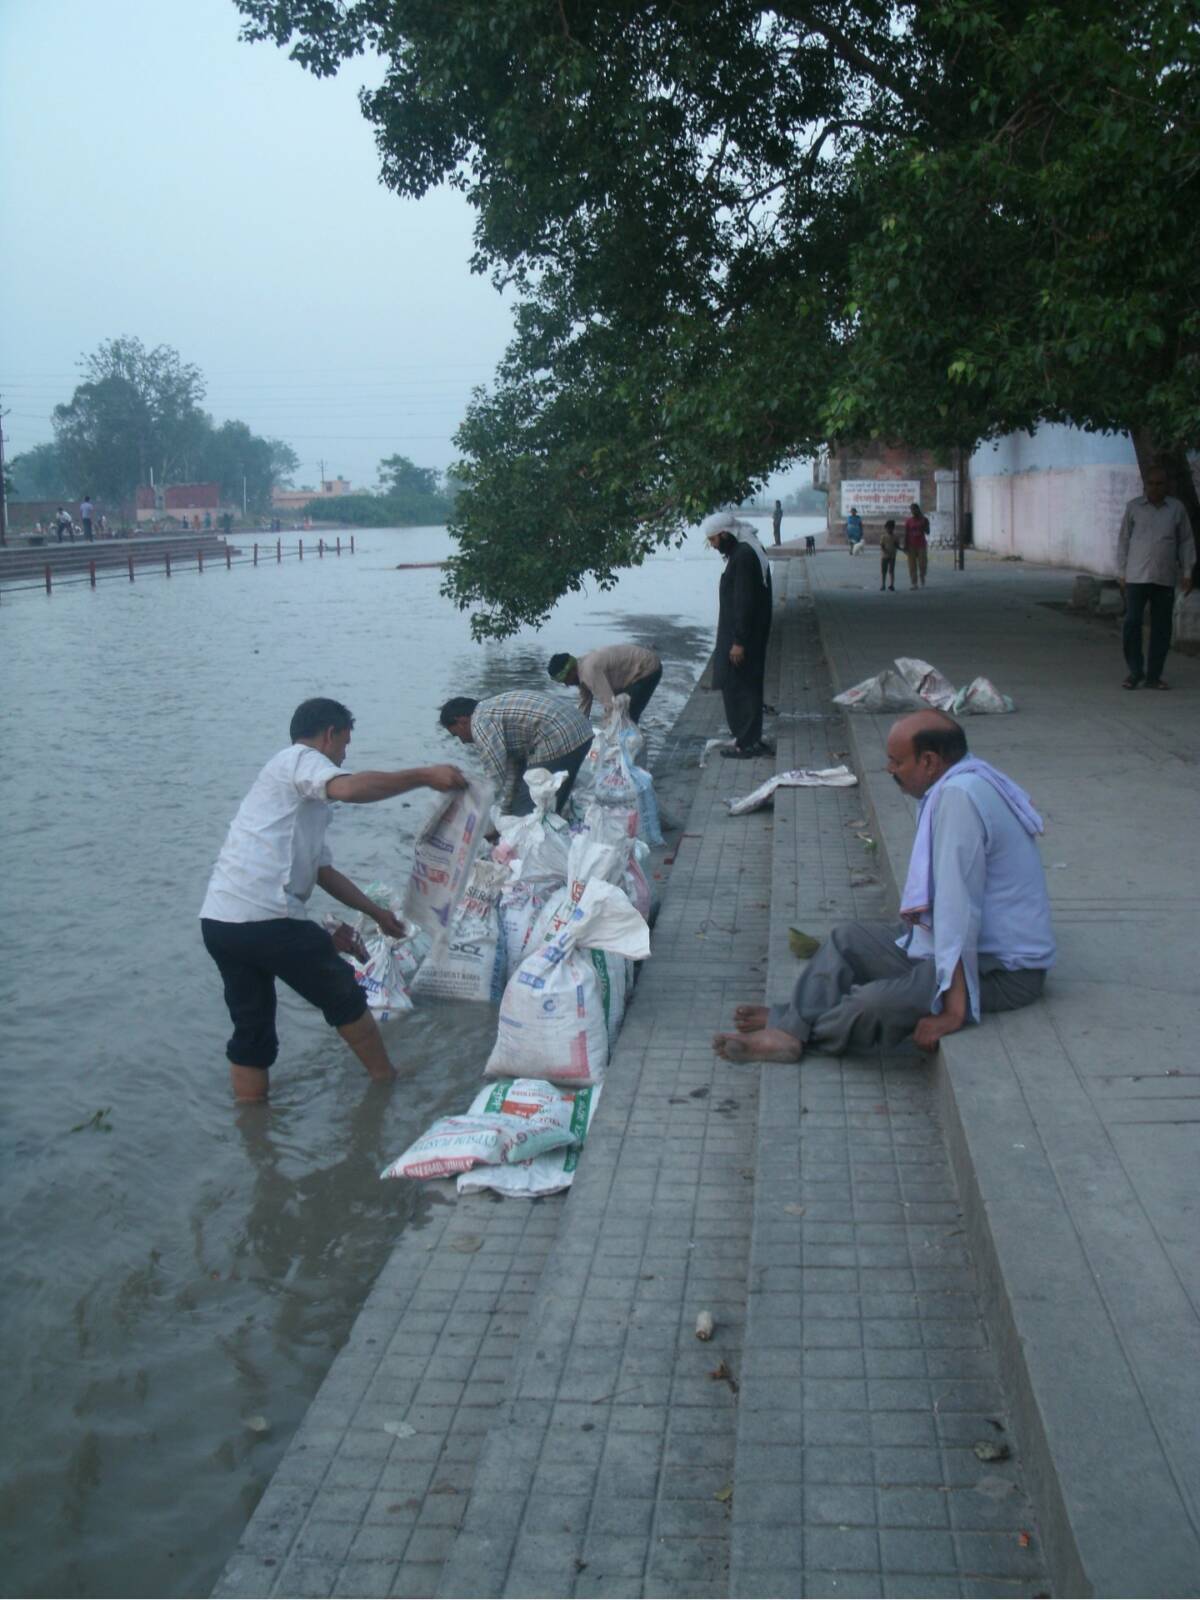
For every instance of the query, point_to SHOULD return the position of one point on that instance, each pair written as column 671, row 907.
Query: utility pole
column 321, row 480
column 3, row 486
column 960, row 521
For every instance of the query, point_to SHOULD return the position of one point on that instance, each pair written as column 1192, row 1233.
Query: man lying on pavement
column 975, row 934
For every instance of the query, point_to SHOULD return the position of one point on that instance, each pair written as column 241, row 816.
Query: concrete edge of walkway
column 1109, row 1510
column 440, row 1339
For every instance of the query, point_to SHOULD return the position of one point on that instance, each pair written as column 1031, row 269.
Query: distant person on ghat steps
column 974, row 936
column 254, row 920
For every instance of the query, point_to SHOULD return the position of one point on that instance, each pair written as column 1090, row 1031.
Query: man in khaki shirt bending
column 601, row 674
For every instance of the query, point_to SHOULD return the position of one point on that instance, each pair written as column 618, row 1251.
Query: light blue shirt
column 989, row 891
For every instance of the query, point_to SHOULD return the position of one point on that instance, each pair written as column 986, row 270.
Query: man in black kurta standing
column 743, row 627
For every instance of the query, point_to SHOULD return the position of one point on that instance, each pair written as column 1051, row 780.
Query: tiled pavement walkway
column 524, row 1408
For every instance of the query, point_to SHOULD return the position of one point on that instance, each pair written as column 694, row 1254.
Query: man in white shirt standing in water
column 254, row 917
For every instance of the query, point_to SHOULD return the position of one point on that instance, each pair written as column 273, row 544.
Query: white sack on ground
column 981, row 695
column 536, row 849
column 926, row 681
column 554, row 1017
column 611, row 776
column 539, row 842
column 887, row 691
column 443, row 856
column 456, row 1144
column 467, row 962
column 797, row 778
column 911, row 684
column 608, row 825
column 546, row 1174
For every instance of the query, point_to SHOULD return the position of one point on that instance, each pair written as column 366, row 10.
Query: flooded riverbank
column 178, row 1276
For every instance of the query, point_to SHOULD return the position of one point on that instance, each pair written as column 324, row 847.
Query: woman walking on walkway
column 916, row 544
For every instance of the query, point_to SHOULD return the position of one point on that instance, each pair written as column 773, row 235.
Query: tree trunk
column 1180, row 482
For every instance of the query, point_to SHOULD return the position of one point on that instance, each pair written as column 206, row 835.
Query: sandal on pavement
column 1156, row 683
column 1132, row 681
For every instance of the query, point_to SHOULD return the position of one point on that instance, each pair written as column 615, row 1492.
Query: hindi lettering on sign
column 879, row 498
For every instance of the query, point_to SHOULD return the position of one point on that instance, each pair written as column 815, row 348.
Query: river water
column 173, row 1267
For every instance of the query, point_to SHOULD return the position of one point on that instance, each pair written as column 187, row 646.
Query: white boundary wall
column 1056, row 496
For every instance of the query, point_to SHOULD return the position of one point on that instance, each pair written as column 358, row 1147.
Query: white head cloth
column 726, row 522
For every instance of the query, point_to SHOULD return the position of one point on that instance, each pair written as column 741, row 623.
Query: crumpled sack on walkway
column 543, row 1174
column 797, row 778
column 910, row 684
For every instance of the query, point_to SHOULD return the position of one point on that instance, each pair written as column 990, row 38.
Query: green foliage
column 138, row 411
column 38, row 474
column 736, row 230
column 399, row 476
column 412, row 510
column 231, row 452
column 1040, row 263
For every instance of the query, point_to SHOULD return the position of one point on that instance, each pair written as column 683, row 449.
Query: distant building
column 297, row 499
column 880, row 480
column 179, row 501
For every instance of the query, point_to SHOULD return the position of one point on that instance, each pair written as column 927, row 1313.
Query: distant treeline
column 382, row 510
column 408, row 496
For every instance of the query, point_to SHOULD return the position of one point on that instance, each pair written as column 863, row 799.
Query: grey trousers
column 860, row 992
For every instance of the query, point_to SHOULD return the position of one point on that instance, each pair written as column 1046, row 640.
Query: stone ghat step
column 868, row 1374
column 26, row 563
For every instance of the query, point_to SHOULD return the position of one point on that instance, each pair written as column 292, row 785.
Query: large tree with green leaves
column 737, row 228
column 137, row 413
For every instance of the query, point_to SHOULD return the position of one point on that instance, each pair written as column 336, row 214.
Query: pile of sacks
column 910, row 684
column 549, row 924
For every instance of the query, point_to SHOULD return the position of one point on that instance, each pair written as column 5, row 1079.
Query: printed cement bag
column 797, row 778
column 606, row 775
column 536, row 848
column 979, row 698
column 547, row 1174
column 467, row 962
column 554, row 1017
column 455, row 1144
column 537, row 844
column 608, row 825
column 632, row 743
column 443, row 856
column 381, row 975
column 384, row 967
column 595, row 857
column 522, row 905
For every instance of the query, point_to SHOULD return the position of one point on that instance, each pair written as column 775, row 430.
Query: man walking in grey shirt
column 1154, row 546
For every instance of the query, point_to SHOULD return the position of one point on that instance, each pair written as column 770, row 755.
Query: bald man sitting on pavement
column 975, row 934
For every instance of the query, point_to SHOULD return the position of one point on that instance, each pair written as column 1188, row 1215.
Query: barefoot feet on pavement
column 768, row 1044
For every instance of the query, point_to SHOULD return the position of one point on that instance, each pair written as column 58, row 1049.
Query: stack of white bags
column 549, row 924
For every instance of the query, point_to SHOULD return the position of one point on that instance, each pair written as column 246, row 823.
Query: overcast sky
column 159, row 177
